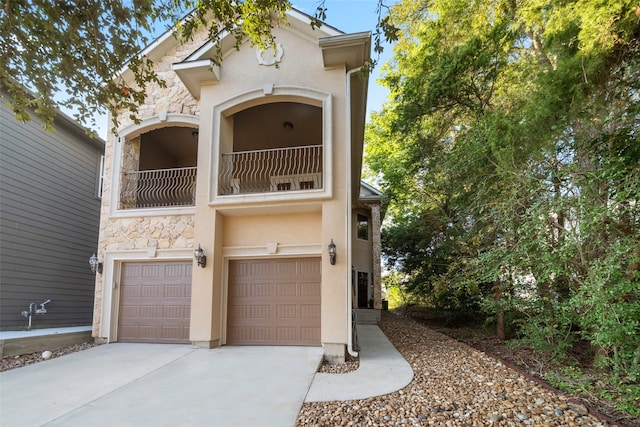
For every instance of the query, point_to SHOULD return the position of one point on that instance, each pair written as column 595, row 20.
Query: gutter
column 349, row 202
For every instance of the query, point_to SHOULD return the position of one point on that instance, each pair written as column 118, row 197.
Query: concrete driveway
column 161, row 385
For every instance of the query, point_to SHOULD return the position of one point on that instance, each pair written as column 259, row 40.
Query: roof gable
column 297, row 22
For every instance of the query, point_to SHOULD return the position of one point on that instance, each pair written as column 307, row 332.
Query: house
column 50, row 189
column 255, row 165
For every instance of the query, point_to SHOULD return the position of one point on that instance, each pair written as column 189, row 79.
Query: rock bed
column 12, row 362
column 453, row 385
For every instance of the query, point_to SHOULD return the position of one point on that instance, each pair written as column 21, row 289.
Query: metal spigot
column 42, row 309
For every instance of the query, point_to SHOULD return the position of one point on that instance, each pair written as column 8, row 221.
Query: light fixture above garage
column 95, row 264
column 287, row 126
column 332, row 253
column 200, row 257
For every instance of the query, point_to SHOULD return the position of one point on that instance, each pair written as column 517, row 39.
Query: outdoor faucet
column 33, row 311
column 42, row 309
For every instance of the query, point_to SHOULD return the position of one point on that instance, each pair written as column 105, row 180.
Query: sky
column 349, row 16
column 353, row 16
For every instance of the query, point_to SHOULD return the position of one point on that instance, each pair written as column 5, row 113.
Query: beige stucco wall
column 301, row 67
column 299, row 228
column 216, row 228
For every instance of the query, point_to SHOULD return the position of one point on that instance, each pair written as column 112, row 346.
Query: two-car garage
column 269, row 302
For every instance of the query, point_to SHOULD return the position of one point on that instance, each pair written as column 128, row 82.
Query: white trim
column 101, row 177
column 111, row 280
column 259, row 96
column 263, row 251
column 349, row 212
column 160, row 121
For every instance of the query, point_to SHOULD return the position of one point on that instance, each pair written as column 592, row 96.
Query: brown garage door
column 274, row 302
column 155, row 302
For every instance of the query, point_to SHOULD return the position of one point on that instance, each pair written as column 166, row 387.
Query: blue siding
column 49, row 221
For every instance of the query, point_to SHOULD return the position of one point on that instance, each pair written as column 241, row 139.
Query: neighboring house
column 50, row 184
column 257, row 162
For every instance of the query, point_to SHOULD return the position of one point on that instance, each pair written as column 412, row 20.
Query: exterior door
column 274, row 302
column 363, row 289
column 155, row 302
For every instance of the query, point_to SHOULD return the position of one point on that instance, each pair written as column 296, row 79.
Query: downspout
column 348, row 212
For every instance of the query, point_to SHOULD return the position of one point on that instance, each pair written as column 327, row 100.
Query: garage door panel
column 309, row 268
column 260, row 312
column 286, row 311
column 149, row 271
column 148, row 311
column 287, row 268
column 310, row 334
column 173, row 312
column 273, row 308
column 310, row 311
column 130, row 270
column 238, row 312
column 286, row 289
column 155, row 302
column 259, row 269
column 310, row 289
column 173, row 332
column 287, row 333
column 257, row 290
column 175, row 270
column 147, row 291
column 169, row 291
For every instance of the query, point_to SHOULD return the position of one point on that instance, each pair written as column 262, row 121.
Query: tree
column 67, row 54
column 509, row 153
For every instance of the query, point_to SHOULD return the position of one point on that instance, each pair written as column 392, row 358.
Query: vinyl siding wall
column 49, row 221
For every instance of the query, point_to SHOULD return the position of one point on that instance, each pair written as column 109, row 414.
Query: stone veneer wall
column 161, row 232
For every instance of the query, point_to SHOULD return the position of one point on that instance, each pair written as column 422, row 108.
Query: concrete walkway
column 382, row 371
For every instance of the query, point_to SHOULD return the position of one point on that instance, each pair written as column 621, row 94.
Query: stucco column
column 376, row 241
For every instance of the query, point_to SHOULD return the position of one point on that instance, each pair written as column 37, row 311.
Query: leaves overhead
column 56, row 53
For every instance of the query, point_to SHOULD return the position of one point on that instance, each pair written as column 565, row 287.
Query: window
column 100, row 178
column 284, row 186
column 362, row 227
column 306, row 185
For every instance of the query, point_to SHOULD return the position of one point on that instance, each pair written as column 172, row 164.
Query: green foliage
column 622, row 395
column 56, row 54
column 69, row 50
column 509, row 153
column 70, row 54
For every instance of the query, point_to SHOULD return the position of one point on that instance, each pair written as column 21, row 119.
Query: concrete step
column 366, row 316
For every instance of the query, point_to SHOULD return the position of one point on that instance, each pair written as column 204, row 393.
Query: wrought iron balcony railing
column 273, row 170
column 159, row 188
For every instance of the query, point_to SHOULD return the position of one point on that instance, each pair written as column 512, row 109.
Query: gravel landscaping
column 12, row 362
column 453, row 385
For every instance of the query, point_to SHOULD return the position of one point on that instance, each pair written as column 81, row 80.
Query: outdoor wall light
column 95, row 264
column 332, row 253
column 200, row 257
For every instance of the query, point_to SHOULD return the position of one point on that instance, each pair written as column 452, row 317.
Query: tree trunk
column 500, row 311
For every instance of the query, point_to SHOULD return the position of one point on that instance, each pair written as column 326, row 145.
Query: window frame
column 363, row 221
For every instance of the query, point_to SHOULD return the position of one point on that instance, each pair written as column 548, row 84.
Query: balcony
column 272, row 170
column 159, row 188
